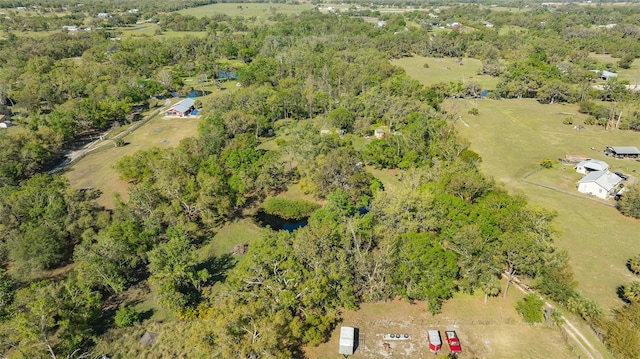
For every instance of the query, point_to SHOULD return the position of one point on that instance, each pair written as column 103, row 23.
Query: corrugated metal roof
column 596, row 165
column 604, row 179
column 184, row 105
column 347, row 340
column 625, row 150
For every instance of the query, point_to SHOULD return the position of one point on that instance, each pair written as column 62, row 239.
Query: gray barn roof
column 604, row 179
column 595, row 165
column 184, row 105
column 625, row 150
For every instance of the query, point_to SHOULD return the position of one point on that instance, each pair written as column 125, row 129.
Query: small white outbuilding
column 590, row 165
column 347, row 340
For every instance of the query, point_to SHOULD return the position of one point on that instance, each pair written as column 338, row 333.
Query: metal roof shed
column 347, row 340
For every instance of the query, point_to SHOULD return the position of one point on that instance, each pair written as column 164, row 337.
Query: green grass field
column 96, row 169
column 631, row 74
column 492, row 330
column 246, row 9
column 149, row 30
column 512, row 136
column 445, row 70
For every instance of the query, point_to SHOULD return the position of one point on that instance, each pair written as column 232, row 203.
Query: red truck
column 454, row 342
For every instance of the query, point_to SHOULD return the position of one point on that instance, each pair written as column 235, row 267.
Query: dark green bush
column 126, row 316
column 530, row 308
column 289, row 209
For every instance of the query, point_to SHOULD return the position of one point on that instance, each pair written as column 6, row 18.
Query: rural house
column 182, row 108
column 605, row 75
column 622, row 152
column 601, row 184
column 590, row 165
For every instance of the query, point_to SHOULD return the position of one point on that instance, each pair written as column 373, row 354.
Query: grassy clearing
column 242, row 231
column 512, row 136
column 445, row 70
column 96, row 169
column 174, row 341
column 246, row 9
column 492, row 330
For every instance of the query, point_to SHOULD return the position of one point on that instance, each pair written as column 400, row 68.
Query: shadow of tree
column 218, row 267
column 620, row 293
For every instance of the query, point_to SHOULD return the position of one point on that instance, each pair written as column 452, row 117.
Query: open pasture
column 246, row 9
column 513, row 136
column 445, row 70
column 150, row 29
column 96, row 170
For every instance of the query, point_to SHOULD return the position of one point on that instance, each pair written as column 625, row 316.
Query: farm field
column 246, row 9
column 492, row 330
column 445, row 70
column 96, row 169
column 512, row 136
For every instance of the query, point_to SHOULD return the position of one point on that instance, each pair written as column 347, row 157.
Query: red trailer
column 435, row 342
column 454, row 342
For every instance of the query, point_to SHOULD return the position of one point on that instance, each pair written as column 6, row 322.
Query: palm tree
column 634, row 264
column 632, row 292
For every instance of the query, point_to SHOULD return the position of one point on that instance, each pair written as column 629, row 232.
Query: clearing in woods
column 96, row 169
column 446, row 70
column 246, row 9
column 492, row 330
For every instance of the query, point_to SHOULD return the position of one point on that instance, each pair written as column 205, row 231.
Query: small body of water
column 278, row 223
column 192, row 94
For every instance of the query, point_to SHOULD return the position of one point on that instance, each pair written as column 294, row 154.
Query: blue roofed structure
column 182, row 108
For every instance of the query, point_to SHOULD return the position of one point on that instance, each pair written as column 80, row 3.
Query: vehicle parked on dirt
column 435, row 342
column 454, row 342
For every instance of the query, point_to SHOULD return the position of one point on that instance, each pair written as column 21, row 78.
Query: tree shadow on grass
column 218, row 267
column 620, row 293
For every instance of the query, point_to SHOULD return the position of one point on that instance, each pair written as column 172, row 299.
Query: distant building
column 103, row 15
column 605, row 75
column 622, row 151
column 183, row 108
column 379, row 133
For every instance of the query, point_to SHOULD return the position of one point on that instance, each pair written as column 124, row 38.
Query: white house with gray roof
column 590, row 165
column 601, row 184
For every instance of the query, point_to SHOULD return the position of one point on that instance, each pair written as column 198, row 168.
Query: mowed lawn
column 492, row 330
column 96, row 170
column 446, row 70
column 246, row 9
column 512, row 136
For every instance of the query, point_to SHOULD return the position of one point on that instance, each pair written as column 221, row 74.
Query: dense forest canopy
column 448, row 228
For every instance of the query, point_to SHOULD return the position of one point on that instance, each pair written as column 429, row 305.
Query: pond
column 278, row 223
